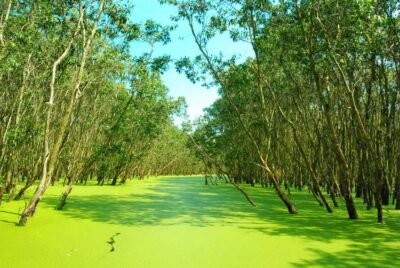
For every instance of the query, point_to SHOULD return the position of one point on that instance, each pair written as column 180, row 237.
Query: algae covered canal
column 180, row 222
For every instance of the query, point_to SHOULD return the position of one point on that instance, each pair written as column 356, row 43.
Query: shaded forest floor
column 179, row 222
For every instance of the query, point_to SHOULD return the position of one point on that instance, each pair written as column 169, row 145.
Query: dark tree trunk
column 114, row 180
column 317, row 199
column 29, row 212
column 396, row 195
column 2, row 191
column 370, row 199
column 64, row 196
column 359, row 184
column 56, row 176
column 291, row 208
column 6, row 186
column 12, row 192
column 351, row 209
column 124, row 179
column 346, row 192
column 398, row 199
column 385, row 194
column 100, row 179
column 23, row 189
column 287, row 187
column 333, row 195
column 378, row 195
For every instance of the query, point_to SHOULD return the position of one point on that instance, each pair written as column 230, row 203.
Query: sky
column 182, row 44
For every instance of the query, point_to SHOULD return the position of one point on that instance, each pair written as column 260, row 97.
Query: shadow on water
column 188, row 201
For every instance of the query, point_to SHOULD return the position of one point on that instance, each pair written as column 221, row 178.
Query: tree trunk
column 22, row 191
column 333, row 195
column 385, row 194
column 114, row 180
column 12, row 192
column 315, row 195
column 359, row 183
column 64, row 196
column 6, row 184
column 370, row 199
column 4, row 21
column 336, row 145
column 51, row 154
column 31, row 208
column 291, row 208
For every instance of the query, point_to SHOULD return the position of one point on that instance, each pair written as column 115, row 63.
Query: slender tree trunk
column 337, row 147
column 64, row 196
column 332, row 193
column 28, row 184
column 291, row 208
column 315, row 196
column 51, row 155
column 6, row 184
column 12, row 191
column 310, row 169
column 365, row 138
column 3, row 21
column 114, row 180
column 222, row 172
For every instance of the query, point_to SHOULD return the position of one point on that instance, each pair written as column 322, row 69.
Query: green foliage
column 315, row 103
column 120, row 107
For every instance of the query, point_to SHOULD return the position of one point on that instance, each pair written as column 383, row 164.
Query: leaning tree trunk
column 291, row 208
column 64, row 196
column 51, row 156
column 12, row 191
column 344, row 173
column 116, row 176
column 333, row 195
column 351, row 209
column 114, row 180
column 345, row 185
column 365, row 137
column 336, row 145
column 316, row 184
column 22, row 191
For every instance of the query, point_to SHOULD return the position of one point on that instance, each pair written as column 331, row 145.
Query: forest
column 305, row 133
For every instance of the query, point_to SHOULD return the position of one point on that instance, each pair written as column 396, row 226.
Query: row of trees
column 74, row 104
column 172, row 154
column 317, row 106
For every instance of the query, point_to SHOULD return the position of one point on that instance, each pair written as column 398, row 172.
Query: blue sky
column 197, row 97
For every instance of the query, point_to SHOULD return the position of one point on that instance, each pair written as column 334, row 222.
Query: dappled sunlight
column 207, row 224
column 176, row 201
